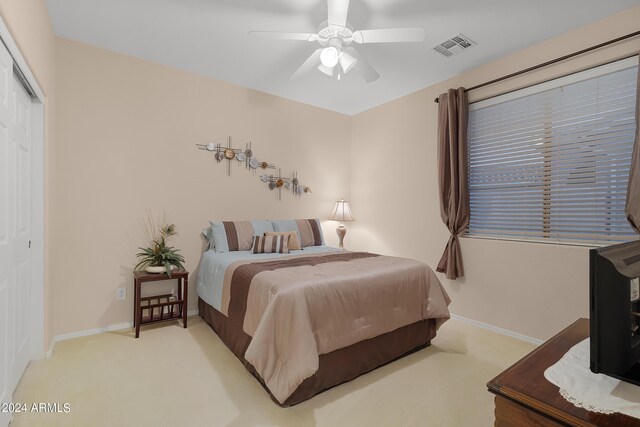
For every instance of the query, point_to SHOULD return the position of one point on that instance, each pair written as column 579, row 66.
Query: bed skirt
column 335, row 368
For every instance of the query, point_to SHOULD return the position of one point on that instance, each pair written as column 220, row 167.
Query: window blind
column 550, row 163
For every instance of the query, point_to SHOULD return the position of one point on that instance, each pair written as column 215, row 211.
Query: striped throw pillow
column 270, row 245
column 290, row 236
column 309, row 231
column 229, row 236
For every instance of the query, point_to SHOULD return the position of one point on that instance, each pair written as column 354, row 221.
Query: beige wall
column 29, row 25
column 126, row 135
column 529, row 288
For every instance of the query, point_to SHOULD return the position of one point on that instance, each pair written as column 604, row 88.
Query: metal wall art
column 279, row 183
column 247, row 157
column 228, row 153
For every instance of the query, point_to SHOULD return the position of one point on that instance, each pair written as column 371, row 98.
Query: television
column 614, row 293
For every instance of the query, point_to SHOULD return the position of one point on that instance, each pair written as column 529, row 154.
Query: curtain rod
column 553, row 61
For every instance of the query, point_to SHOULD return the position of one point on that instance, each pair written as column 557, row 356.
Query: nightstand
column 160, row 308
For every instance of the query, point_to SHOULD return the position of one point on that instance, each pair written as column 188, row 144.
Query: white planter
column 157, row 269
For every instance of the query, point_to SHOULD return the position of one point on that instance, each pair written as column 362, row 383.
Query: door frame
column 37, row 291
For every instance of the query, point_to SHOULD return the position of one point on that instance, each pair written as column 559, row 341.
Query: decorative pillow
column 290, row 236
column 270, row 245
column 229, row 236
column 309, row 231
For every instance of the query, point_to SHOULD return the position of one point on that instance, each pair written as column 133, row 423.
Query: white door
column 7, row 212
column 15, row 229
column 21, row 133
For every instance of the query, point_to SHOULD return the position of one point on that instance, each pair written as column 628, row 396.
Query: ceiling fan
column 337, row 56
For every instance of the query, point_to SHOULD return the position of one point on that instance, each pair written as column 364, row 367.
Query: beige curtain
column 452, row 175
column 632, row 208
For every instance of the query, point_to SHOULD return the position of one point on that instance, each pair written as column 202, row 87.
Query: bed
column 306, row 321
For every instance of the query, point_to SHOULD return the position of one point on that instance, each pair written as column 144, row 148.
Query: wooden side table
column 160, row 308
column 524, row 397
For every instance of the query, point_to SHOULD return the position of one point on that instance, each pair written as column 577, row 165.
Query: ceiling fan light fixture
column 327, row 70
column 335, row 37
column 347, row 62
column 330, row 56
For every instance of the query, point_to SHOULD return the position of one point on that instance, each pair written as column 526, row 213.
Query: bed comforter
column 300, row 307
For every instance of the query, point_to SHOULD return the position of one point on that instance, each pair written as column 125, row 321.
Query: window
column 550, row 163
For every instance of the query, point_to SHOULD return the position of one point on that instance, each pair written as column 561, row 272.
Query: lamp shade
column 347, row 60
column 342, row 212
column 329, row 56
column 327, row 70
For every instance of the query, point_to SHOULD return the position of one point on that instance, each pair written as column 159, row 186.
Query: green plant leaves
column 159, row 254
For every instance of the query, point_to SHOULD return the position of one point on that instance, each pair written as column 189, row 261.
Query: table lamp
column 342, row 213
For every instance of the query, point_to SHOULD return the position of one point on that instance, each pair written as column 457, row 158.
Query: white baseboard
column 498, row 330
column 85, row 333
column 121, row 326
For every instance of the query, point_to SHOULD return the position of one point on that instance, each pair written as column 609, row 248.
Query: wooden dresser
column 525, row 398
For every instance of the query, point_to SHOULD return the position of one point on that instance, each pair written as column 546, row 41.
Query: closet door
column 15, row 229
column 7, row 233
column 21, row 130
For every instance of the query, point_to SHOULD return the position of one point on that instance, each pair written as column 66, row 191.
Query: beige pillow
column 293, row 243
column 270, row 245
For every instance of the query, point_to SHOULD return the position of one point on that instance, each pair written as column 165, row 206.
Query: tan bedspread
column 300, row 307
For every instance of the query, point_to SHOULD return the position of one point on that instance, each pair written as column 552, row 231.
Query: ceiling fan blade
column 276, row 35
column 363, row 68
column 391, row 35
column 366, row 71
column 309, row 64
column 338, row 11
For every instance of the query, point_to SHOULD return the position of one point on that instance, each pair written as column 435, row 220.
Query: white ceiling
column 210, row 37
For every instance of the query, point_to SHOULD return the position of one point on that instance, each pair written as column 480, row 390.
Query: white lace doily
column 593, row 392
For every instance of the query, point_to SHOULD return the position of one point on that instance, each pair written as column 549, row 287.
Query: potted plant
column 159, row 257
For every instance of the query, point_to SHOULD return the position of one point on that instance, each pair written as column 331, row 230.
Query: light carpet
column 172, row 376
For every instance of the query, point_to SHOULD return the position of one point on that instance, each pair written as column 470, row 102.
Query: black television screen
column 614, row 293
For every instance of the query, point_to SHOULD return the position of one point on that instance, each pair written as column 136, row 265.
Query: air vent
column 454, row 45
